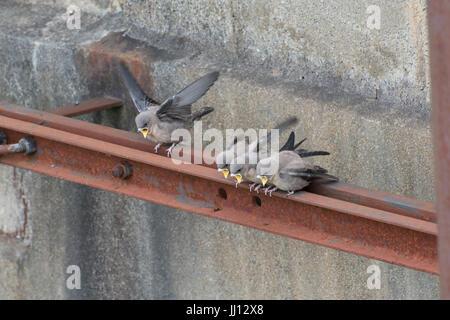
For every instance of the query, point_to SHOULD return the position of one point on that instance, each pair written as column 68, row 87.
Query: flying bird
column 157, row 121
column 289, row 172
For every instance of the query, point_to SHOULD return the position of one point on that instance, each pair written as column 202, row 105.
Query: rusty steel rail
column 376, row 225
column 91, row 105
column 439, row 26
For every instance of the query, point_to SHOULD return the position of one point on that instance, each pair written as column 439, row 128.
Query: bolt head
column 28, row 145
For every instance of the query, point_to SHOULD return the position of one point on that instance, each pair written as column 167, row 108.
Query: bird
column 157, row 121
column 224, row 158
column 241, row 145
column 243, row 166
column 288, row 171
column 242, row 170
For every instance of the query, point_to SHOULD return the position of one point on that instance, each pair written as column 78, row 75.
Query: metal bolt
column 122, row 170
column 25, row 145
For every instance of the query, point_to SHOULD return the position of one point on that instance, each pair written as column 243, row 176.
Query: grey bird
column 241, row 146
column 242, row 170
column 289, row 172
column 156, row 121
column 224, row 158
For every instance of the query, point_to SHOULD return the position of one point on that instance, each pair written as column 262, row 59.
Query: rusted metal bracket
column 439, row 25
column 73, row 110
column 373, row 224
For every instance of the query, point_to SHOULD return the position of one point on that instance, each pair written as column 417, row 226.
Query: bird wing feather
column 179, row 106
column 141, row 101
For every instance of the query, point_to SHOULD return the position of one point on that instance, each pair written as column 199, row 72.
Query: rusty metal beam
column 439, row 27
column 91, row 105
column 374, row 199
column 377, row 199
column 94, row 155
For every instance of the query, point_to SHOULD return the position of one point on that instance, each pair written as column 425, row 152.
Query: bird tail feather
column 305, row 154
column 202, row 112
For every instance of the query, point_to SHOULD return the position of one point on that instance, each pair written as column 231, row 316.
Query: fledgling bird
column 156, row 121
column 242, row 170
column 224, row 158
column 242, row 146
column 289, row 172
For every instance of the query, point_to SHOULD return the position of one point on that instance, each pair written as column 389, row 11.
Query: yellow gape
column 238, row 177
column 144, row 131
column 225, row 172
column 263, row 180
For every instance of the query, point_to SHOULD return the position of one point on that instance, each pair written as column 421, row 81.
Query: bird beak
column 225, row 172
column 263, row 180
column 144, row 131
column 237, row 176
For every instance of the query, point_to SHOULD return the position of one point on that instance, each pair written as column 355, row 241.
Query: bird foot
column 252, row 186
column 169, row 151
column 157, row 147
column 237, row 184
column 272, row 190
column 269, row 190
column 257, row 188
column 290, row 193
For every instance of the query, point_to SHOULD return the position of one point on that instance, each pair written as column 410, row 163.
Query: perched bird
column 224, row 158
column 289, row 172
column 242, row 170
column 156, row 121
column 241, row 146
column 243, row 166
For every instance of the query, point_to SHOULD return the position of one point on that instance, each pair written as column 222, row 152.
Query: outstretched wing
column 140, row 99
column 179, row 105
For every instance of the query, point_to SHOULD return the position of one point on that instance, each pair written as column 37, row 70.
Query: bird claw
column 252, row 185
column 169, row 151
column 290, row 193
column 157, row 147
column 257, row 188
column 272, row 190
column 237, row 184
column 269, row 190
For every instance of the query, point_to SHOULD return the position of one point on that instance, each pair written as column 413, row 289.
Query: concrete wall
column 362, row 94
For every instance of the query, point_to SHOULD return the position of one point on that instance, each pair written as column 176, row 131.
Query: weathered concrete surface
column 276, row 59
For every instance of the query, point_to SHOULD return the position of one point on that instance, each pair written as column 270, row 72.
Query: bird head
column 225, row 171
column 143, row 123
column 222, row 165
column 266, row 169
column 235, row 171
column 263, row 179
